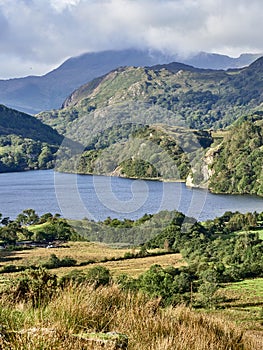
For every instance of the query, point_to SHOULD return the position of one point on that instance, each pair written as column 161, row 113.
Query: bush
column 34, row 286
column 55, row 262
column 98, row 276
column 88, row 262
column 12, row 268
column 75, row 277
column 9, row 268
column 67, row 262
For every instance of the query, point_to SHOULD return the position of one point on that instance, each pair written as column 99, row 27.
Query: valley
column 125, row 244
column 155, row 123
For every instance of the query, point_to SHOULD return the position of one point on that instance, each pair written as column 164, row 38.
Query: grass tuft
column 83, row 309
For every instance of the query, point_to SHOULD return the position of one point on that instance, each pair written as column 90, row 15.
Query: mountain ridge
column 34, row 94
column 199, row 98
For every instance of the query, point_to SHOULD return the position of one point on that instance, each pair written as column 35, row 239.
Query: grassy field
column 81, row 251
column 85, row 251
column 260, row 232
column 132, row 267
column 240, row 303
column 135, row 267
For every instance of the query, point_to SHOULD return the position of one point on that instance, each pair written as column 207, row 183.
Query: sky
column 36, row 36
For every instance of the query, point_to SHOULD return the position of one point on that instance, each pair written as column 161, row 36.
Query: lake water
column 97, row 197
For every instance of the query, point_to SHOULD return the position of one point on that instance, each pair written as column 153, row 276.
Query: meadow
column 64, row 293
column 239, row 303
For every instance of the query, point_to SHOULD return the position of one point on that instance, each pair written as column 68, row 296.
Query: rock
column 112, row 340
column 202, row 171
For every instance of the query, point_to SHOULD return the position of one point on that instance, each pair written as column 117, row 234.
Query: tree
column 207, row 292
column 9, row 233
column 27, row 217
column 45, row 156
column 157, row 282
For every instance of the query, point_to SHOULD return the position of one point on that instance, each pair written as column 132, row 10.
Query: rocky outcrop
column 201, row 170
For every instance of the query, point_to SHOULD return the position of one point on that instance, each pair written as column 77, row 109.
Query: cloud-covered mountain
column 175, row 94
column 33, row 94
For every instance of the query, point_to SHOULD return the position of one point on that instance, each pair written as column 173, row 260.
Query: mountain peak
column 258, row 63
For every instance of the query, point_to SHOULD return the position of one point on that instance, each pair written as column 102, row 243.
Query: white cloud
column 60, row 5
column 42, row 33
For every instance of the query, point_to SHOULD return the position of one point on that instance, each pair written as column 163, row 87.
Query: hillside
column 150, row 122
column 25, row 142
column 237, row 165
column 188, row 276
column 233, row 164
column 34, row 94
column 138, row 151
column 171, row 94
column 26, row 126
column 228, row 161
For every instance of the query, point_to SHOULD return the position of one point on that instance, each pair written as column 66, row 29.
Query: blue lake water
column 97, row 197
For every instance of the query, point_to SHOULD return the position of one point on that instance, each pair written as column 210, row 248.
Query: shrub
column 98, row 276
column 68, row 261
column 9, row 268
column 88, row 262
column 34, row 286
column 12, row 268
column 55, row 262
column 73, row 277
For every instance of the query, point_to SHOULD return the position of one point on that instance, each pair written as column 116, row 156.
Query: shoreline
column 172, row 180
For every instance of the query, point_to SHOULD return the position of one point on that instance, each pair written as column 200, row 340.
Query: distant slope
column 21, row 124
column 38, row 93
column 215, row 61
column 26, row 143
column 174, row 94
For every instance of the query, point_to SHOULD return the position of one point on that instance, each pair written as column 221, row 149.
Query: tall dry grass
column 147, row 325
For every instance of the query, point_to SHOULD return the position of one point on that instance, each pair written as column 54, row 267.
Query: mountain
column 216, row 61
column 33, row 94
column 149, row 122
column 25, row 142
column 172, row 94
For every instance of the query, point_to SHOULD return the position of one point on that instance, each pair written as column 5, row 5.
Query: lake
column 97, row 197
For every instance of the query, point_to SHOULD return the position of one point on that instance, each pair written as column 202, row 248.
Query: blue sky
column 37, row 35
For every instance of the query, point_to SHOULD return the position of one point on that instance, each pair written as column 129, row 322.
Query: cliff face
column 233, row 164
column 201, row 170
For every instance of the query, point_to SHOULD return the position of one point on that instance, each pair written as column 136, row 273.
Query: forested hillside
column 25, row 142
column 156, row 123
column 139, row 151
column 238, row 162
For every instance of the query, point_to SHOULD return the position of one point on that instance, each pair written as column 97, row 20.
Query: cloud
column 43, row 33
column 61, row 5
